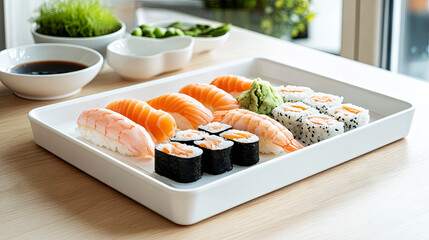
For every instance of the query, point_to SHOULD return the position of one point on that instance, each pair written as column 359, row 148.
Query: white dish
column 192, row 202
column 142, row 58
column 201, row 44
column 53, row 86
column 98, row 43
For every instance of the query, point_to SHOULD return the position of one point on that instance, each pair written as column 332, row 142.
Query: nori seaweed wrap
column 245, row 151
column 216, row 154
column 179, row 162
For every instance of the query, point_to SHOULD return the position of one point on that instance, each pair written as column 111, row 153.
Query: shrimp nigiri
column 188, row 112
column 109, row 129
column 212, row 97
column 161, row 125
column 274, row 137
column 233, row 85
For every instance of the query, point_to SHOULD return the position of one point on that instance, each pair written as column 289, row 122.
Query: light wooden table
column 381, row 195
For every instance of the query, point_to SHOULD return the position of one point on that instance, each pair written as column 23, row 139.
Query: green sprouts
column 75, row 18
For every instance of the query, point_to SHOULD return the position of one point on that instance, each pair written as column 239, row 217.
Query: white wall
column 17, row 15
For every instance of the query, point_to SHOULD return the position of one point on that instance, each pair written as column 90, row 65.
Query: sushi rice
column 214, row 128
column 319, row 127
column 290, row 114
column 292, row 93
column 351, row 115
column 100, row 139
column 188, row 136
column 323, row 101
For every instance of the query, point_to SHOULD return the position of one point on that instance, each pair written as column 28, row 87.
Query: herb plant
column 287, row 17
column 75, row 18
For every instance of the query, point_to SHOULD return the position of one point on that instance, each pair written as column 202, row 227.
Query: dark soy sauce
column 47, row 67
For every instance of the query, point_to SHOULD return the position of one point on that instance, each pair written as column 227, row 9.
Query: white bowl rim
column 119, row 31
column 190, row 45
column 89, row 68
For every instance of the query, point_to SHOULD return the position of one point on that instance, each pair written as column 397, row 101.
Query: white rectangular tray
column 54, row 129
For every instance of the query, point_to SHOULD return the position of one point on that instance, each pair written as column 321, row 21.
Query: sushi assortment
column 204, row 128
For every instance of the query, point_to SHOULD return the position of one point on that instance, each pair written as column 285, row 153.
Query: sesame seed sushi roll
column 245, row 151
column 179, row 162
column 290, row 114
column 351, row 115
column 216, row 154
column 292, row 93
column 323, row 101
column 188, row 136
column 319, row 127
column 215, row 128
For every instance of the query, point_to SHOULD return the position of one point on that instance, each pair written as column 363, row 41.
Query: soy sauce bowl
column 49, row 86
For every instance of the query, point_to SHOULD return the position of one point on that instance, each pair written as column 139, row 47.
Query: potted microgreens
column 85, row 22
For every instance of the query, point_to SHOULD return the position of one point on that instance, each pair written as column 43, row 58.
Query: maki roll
column 245, row 151
column 291, row 93
column 351, row 115
column 216, row 154
column 290, row 114
column 323, row 101
column 179, row 162
column 188, row 136
column 319, row 127
column 214, row 128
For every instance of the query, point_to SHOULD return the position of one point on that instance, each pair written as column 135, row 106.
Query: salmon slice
column 232, row 84
column 212, row 97
column 161, row 125
column 188, row 112
column 177, row 149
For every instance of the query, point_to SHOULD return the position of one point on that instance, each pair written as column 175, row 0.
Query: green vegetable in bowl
column 177, row 29
column 75, row 18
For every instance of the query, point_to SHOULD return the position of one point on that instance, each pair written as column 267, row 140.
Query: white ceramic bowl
column 201, row 44
column 98, row 43
column 142, row 58
column 53, row 86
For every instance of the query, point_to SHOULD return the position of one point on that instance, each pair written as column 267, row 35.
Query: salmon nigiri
column 274, row 137
column 160, row 124
column 210, row 96
column 116, row 132
column 233, row 85
column 188, row 112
